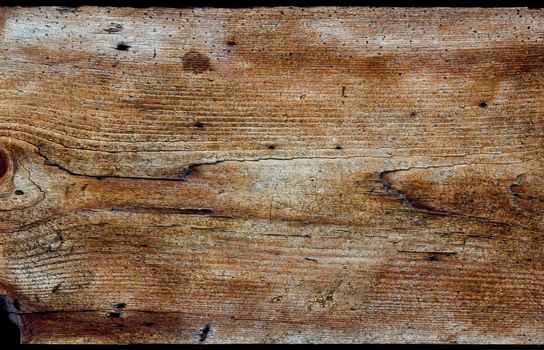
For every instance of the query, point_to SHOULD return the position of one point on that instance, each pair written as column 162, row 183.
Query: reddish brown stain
column 323, row 61
column 196, row 62
column 471, row 191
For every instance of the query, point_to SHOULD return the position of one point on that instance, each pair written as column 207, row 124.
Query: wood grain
column 272, row 174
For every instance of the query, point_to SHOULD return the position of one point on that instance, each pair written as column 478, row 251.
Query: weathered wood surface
column 272, row 174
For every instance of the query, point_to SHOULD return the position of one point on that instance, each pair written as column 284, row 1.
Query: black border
column 273, row 3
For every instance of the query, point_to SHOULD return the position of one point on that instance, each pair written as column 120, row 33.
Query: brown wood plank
column 272, row 174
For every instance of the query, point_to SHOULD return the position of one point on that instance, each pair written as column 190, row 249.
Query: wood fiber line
column 272, row 174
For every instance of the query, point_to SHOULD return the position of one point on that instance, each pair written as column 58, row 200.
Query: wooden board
column 272, row 174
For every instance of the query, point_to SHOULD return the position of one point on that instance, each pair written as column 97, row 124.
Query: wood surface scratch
column 272, row 174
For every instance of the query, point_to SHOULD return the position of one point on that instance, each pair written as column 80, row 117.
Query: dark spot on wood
column 199, row 125
column 122, row 47
column 56, row 288
column 338, row 147
column 120, row 305
column 19, row 192
column 483, row 104
column 149, row 324
column 231, row 43
column 271, row 147
column 195, row 62
column 343, row 91
column 204, row 332
column 413, row 114
column 432, row 257
column 114, row 314
column 5, row 163
column 9, row 322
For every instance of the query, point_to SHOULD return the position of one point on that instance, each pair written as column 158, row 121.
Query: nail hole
column 483, row 104
column 114, row 314
column 122, row 47
column 271, row 147
column 19, row 192
column 204, row 332
column 338, row 147
column 231, row 43
column 199, row 125
column 120, row 305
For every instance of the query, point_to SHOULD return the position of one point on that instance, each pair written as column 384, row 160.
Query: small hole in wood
column 122, row 47
column 204, row 332
column 120, row 305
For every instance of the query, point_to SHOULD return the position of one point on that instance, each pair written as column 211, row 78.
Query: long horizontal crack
column 187, row 169
column 166, row 210
column 435, row 252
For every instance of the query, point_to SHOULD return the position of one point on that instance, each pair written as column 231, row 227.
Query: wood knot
column 5, row 164
column 196, row 62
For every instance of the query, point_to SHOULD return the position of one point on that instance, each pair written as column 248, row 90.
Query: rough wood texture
column 272, row 174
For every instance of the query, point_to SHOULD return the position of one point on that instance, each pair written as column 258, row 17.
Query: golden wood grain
column 272, row 174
